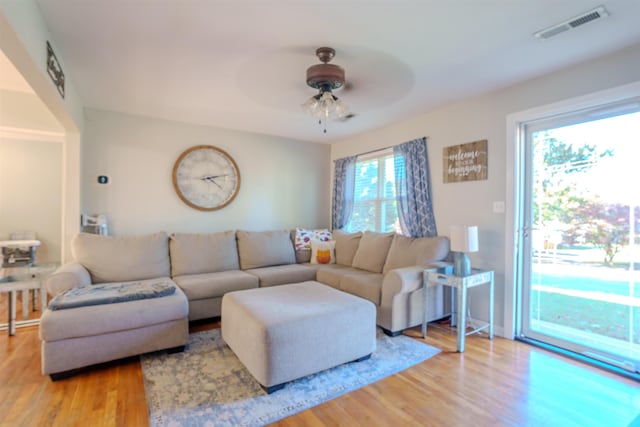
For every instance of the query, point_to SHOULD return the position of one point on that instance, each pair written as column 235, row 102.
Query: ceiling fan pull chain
column 326, row 116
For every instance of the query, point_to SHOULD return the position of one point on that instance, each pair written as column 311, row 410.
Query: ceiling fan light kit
column 325, row 77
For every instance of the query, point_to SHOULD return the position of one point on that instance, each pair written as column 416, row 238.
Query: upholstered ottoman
column 286, row 332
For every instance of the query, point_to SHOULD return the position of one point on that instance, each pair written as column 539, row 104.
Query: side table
column 477, row 277
column 31, row 280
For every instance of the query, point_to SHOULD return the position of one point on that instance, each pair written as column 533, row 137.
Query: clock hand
column 210, row 178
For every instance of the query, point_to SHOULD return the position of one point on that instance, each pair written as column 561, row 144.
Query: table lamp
column 464, row 238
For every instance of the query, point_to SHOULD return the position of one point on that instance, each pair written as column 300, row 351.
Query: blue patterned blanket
column 111, row 293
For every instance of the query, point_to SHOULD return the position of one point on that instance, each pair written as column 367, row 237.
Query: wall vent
column 590, row 16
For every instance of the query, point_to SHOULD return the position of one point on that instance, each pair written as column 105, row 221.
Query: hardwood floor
column 494, row 383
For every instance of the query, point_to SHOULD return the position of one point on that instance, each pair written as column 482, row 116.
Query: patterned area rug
column 207, row 385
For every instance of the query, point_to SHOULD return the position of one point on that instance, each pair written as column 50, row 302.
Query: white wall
column 484, row 117
column 31, row 147
column 23, row 38
column 30, row 192
column 22, row 110
column 283, row 181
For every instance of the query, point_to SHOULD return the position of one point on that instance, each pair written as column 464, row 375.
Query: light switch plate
column 498, row 207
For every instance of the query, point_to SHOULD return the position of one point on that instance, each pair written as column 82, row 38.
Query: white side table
column 32, row 279
column 461, row 284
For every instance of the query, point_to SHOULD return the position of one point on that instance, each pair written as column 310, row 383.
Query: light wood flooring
column 494, row 383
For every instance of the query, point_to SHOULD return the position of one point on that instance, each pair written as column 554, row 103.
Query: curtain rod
column 374, row 151
column 386, row 148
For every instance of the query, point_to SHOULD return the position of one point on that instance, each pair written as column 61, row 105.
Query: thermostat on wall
column 103, row 180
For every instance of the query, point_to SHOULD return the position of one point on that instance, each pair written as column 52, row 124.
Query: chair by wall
column 20, row 249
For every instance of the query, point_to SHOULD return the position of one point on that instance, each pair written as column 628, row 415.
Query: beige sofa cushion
column 408, row 251
column 372, row 251
column 265, row 248
column 215, row 285
column 201, row 253
column 331, row 274
column 283, row 274
column 346, row 246
column 367, row 286
column 121, row 259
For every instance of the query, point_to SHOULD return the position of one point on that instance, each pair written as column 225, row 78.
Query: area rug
column 207, row 385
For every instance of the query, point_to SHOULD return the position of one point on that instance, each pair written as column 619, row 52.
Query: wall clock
column 206, row 177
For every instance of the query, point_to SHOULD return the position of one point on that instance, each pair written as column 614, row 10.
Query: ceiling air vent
column 590, row 16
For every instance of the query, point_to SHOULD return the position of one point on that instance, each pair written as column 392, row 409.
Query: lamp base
column 461, row 264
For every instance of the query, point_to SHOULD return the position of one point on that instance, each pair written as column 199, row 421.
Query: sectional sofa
column 385, row 269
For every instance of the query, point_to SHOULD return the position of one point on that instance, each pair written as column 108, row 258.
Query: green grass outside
column 591, row 255
column 598, row 317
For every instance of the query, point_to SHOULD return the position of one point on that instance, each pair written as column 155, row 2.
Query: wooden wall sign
column 55, row 70
column 465, row 162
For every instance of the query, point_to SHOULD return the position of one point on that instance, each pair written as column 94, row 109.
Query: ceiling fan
column 326, row 78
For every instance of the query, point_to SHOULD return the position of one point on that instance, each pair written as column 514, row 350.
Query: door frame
column 515, row 185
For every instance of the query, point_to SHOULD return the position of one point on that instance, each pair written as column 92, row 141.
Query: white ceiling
column 241, row 64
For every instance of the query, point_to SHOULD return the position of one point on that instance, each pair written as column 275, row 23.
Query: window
column 387, row 191
column 375, row 206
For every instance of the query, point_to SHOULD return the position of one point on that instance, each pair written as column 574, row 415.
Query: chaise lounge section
column 74, row 338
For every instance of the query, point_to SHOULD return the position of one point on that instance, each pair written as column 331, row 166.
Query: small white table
column 477, row 277
column 30, row 280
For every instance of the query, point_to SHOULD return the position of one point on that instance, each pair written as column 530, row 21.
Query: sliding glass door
column 580, row 261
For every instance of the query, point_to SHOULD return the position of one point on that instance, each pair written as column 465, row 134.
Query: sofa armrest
column 404, row 280
column 400, row 280
column 68, row 276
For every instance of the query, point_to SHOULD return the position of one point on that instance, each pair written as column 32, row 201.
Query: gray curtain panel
column 413, row 189
column 343, row 191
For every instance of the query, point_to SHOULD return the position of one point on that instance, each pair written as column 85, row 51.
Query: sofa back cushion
column 372, row 251
column 200, row 253
column 265, row 248
column 346, row 246
column 408, row 251
column 120, row 259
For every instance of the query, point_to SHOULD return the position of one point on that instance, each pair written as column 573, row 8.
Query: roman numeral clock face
column 206, row 178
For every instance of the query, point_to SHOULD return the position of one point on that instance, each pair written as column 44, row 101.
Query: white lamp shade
column 464, row 238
